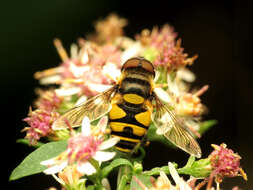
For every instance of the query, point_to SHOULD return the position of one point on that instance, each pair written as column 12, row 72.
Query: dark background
column 218, row 31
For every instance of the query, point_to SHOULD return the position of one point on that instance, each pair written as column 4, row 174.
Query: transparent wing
column 93, row 108
column 174, row 128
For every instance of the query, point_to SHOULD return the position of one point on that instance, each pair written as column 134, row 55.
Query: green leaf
column 190, row 161
column 31, row 164
column 26, row 142
column 115, row 163
column 157, row 170
column 205, row 125
column 123, row 183
column 200, row 168
column 139, row 180
column 152, row 136
column 91, row 187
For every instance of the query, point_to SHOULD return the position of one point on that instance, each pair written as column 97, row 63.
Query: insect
column 132, row 105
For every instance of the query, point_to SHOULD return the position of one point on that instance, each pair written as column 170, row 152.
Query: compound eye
column 139, row 62
column 148, row 66
column 130, row 63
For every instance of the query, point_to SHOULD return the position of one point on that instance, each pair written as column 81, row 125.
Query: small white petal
column 179, row 181
column 84, row 57
column 86, row 168
column 51, row 79
column 102, row 124
column 81, row 100
column 163, row 95
column 173, row 173
column 78, row 71
column 111, row 70
column 165, row 178
column 186, row 75
column 86, row 130
column 48, row 162
column 99, row 87
column 73, row 51
column 109, row 143
column 132, row 51
column 56, row 168
column 102, row 156
column 157, row 75
column 67, row 91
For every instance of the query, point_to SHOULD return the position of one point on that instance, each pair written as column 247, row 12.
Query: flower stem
column 124, row 177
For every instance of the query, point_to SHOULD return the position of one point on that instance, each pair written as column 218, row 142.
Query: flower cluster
column 83, row 150
column 167, row 52
column 40, row 124
column 225, row 163
column 92, row 66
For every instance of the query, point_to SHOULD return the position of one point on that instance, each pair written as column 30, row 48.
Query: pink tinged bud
column 225, row 162
column 40, row 123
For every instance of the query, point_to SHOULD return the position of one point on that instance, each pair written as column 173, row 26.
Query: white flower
column 82, row 148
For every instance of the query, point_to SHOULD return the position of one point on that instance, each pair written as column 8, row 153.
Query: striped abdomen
column 130, row 125
column 130, row 115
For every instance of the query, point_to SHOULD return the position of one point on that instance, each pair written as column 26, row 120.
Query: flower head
column 48, row 100
column 167, row 51
column 70, row 176
column 83, row 148
column 225, row 163
column 109, row 29
column 40, row 124
column 83, row 72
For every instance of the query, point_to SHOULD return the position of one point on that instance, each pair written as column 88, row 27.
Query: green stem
column 163, row 76
column 123, row 183
column 124, row 176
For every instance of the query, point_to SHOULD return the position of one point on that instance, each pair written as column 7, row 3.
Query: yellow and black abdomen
column 129, row 121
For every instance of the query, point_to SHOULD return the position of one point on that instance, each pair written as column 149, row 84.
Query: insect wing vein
column 174, row 129
column 93, row 108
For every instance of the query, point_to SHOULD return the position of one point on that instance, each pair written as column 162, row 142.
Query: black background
column 218, row 31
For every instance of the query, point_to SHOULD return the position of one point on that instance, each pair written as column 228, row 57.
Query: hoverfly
column 132, row 105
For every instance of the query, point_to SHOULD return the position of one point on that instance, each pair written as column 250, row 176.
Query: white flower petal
column 186, row 75
column 111, row 70
column 78, row 71
column 51, row 79
column 102, row 124
column 74, row 51
column 102, row 156
column 109, row 143
column 67, row 91
column 98, row 87
column 174, row 173
column 132, row 51
column 48, row 162
column 163, row 95
column 81, row 100
column 56, row 168
column 165, row 178
column 86, row 168
column 84, row 57
column 182, row 184
column 86, row 130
